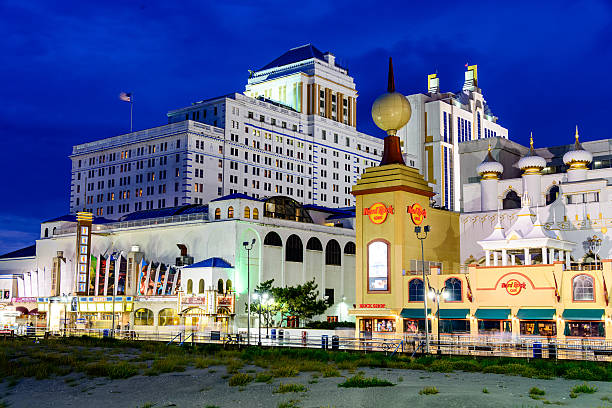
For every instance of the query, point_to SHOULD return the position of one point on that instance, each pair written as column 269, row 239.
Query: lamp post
column 248, row 246
column 435, row 294
column 594, row 244
column 421, row 236
column 115, row 292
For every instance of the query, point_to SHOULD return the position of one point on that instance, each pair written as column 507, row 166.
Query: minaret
column 578, row 160
column 489, row 171
column 531, row 165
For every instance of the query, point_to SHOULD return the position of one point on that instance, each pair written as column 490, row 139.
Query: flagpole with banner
column 128, row 97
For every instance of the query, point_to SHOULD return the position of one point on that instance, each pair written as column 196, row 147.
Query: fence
column 484, row 346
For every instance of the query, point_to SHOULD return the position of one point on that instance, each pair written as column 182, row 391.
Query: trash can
column 324, row 341
column 304, row 338
column 552, row 350
column 537, row 350
column 215, row 335
column 105, row 333
column 335, row 342
column 281, row 334
column 273, row 334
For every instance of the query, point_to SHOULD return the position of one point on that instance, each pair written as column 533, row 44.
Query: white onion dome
column 490, row 168
column 577, row 158
column 531, row 163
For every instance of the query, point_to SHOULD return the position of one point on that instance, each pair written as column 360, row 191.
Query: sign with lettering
column 24, row 300
column 194, row 300
column 417, row 213
column 378, row 212
column 372, row 305
column 513, row 287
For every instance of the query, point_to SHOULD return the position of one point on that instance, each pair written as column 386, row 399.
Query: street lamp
column 248, row 248
column 435, row 294
column 594, row 244
column 421, row 236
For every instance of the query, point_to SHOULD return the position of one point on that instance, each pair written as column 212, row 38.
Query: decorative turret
column 489, row 171
column 578, row 160
column 490, row 168
column 531, row 163
column 391, row 111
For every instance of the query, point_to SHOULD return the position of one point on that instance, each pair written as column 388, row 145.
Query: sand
column 208, row 387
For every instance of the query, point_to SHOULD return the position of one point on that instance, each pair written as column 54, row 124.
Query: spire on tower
column 391, row 79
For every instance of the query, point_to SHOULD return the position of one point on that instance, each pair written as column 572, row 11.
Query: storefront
column 584, row 323
column 414, row 320
column 494, row 321
column 537, row 322
column 454, row 321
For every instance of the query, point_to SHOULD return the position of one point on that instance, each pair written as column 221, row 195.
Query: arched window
column 247, row 212
column 552, row 195
column 189, row 286
column 220, row 286
column 378, row 266
column 201, row 286
column 415, row 290
column 228, row 285
column 452, row 288
column 143, row 317
column 349, row 248
column 230, row 212
column 273, row 239
column 333, row 253
column 314, row 244
column 584, row 288
column 294, row 250
column 168, row 317
column 512, row 200
column 255, row 213
column 218, row 214
column 54, row 230
column 46, row 232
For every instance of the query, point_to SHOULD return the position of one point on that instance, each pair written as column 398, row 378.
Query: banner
column 170, row 280
column 93, row 269
column 121, row 275
column 101, row 276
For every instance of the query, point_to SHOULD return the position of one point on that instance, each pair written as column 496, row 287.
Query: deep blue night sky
column 543, row 66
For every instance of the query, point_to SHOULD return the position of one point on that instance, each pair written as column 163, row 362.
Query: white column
column 527, row 256
column 494, row 258
column 504, row 257
column 561, row 255
column 544, row 257
column 513, row 259
column 487, row 253
column 567, row 260
column 551, row 257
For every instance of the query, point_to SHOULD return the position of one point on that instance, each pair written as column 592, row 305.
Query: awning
column 493, row 314
column 414, row 313
column 454, row 313
column 583, row 314
column 536, row 314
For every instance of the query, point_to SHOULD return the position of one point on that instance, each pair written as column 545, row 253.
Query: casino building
column 529, row 271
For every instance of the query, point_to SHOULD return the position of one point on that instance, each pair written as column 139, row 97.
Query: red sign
column 194, row 300
column 224, row 301
column 372, row 306
column 417, row 213
column 378, row 212
column 514, row 287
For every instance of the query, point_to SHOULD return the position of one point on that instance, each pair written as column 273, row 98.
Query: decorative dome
column 489, row 168
column 577, row 158
column 531, row 163
column 391, row 111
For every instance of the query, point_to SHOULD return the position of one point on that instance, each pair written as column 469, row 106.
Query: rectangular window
column 378, row 266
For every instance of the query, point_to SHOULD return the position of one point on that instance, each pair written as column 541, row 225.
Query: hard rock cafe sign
column 514, row 287
column 417, row 213
column 378, row 212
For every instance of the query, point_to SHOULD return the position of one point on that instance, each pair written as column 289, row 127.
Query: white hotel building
column 292, row 133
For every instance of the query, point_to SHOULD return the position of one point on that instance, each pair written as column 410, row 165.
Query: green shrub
column 536, row 391
column 485, row 390
column 359, row 381
column 286, row 371
column 122, row 369
column 240, row 379
column 428, row 391
column 466, row 365
column 442, row 366
column 289, row 404
column 330, row 371
column 583, row 389
column 285, row 388
column 264, row 377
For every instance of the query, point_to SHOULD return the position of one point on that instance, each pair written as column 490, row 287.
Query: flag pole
column 131, row 110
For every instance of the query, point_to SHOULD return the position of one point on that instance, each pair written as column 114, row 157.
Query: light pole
column 248, row 248
column 435, row 294
column 115, row 293
column 594, row 244
column 421, row 237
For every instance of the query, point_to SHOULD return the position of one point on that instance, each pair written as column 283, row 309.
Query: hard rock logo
column 514, row 287
column 417, row 213
column 378, row 212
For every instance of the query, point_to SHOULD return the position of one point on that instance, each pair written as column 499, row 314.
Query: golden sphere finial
column 576, row 133
column 531, row 140
column 391, row 111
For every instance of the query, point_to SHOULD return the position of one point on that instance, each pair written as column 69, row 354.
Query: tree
column 302, row 301
column 267, row 310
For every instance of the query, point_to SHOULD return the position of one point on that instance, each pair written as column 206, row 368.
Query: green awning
column 414, row 313
column 493, row 314
column 536, row 314
column 454, row 313
column 583, row 314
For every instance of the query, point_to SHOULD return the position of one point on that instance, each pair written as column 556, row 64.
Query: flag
column 557, row 295
column 126, row 97
column 469, row 288
column 466, row 64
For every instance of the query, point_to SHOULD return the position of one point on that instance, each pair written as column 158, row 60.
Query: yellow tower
column 391, row 199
